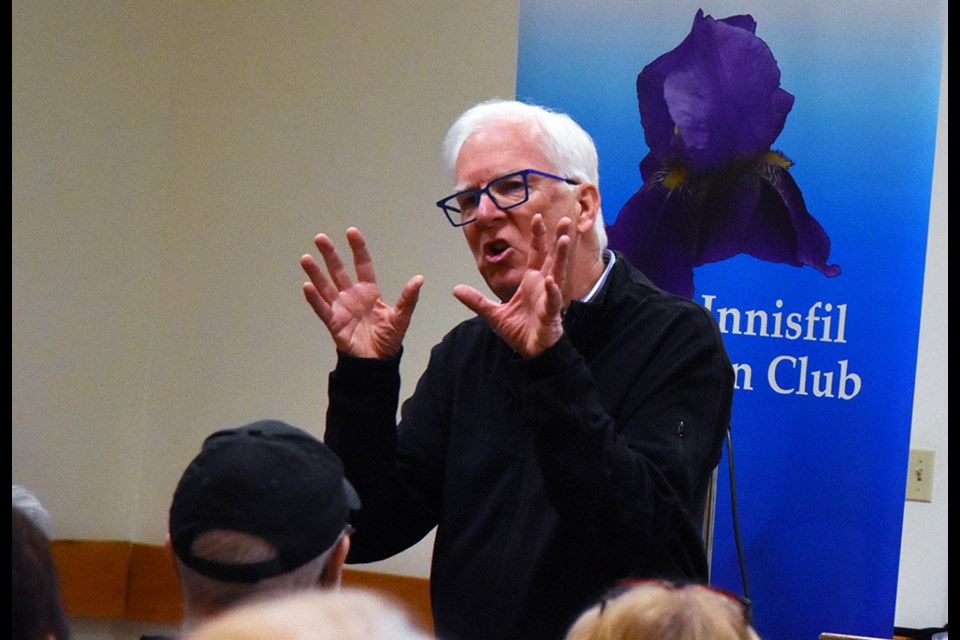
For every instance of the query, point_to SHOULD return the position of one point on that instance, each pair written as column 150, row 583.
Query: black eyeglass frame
column 454, row 213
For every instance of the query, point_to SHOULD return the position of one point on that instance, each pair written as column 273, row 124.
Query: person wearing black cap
column 263, row 508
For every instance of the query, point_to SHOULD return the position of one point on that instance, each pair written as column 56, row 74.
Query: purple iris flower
column 712, row 186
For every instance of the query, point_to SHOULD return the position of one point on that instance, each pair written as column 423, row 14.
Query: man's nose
column 487, row 209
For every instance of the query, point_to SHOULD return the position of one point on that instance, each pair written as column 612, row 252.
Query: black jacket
column 548, row 478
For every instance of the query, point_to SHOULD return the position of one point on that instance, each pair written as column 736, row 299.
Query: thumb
column 473, row 299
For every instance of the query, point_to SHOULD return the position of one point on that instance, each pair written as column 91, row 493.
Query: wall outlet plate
column 920, row 475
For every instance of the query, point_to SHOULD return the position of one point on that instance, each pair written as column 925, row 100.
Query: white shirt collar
column 609, row 259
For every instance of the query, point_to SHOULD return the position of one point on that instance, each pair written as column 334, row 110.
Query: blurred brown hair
column 657, row 610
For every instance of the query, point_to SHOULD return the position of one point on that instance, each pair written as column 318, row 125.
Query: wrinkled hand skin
column 359, row 321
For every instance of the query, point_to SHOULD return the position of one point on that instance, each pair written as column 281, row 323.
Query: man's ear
column 588, row 197
column 333, row 571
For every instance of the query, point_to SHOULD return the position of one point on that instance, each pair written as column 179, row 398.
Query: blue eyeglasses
column 506, row 192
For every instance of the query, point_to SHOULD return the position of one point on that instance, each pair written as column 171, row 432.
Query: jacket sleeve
column 363, row 397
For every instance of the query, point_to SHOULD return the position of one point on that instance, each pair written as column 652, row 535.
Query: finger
column 554, row 302
column 561, row 257
column 318, row 279
column 548, row 258
column 538, row 251
column 474, row 300
column 563, row 227
column 335, row 266
column 316, row 301
column 362, row 262
column 409, row 297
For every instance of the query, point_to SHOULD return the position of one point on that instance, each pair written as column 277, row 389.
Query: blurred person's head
column 660, row 610
column 28, row 502
column 344, row 614
column 38, row 612
column 263, row 508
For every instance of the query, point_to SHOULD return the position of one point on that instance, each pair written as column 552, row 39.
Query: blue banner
column 810, row 256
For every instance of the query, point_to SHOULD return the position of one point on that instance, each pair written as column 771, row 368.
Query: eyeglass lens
column 505, row 192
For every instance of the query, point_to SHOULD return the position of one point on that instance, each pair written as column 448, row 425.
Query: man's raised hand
column 358, row 319
column 531, row 321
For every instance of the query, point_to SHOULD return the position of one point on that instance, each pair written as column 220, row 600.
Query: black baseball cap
column 268, row 479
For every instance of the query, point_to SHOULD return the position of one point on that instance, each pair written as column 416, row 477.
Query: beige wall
column 172, row 160
column 922, row 586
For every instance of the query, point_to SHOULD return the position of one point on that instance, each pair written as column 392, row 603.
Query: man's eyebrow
column 461, row 187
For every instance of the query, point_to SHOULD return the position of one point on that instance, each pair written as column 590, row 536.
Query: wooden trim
column 153, row 589
column 93, row 576
column 413, row 594
column 117, row 579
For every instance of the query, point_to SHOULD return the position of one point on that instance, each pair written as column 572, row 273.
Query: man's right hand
column 356, row 316
column 532, row 320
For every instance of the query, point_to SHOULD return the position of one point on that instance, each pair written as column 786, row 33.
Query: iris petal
column 710, row 109
column 653, row 232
